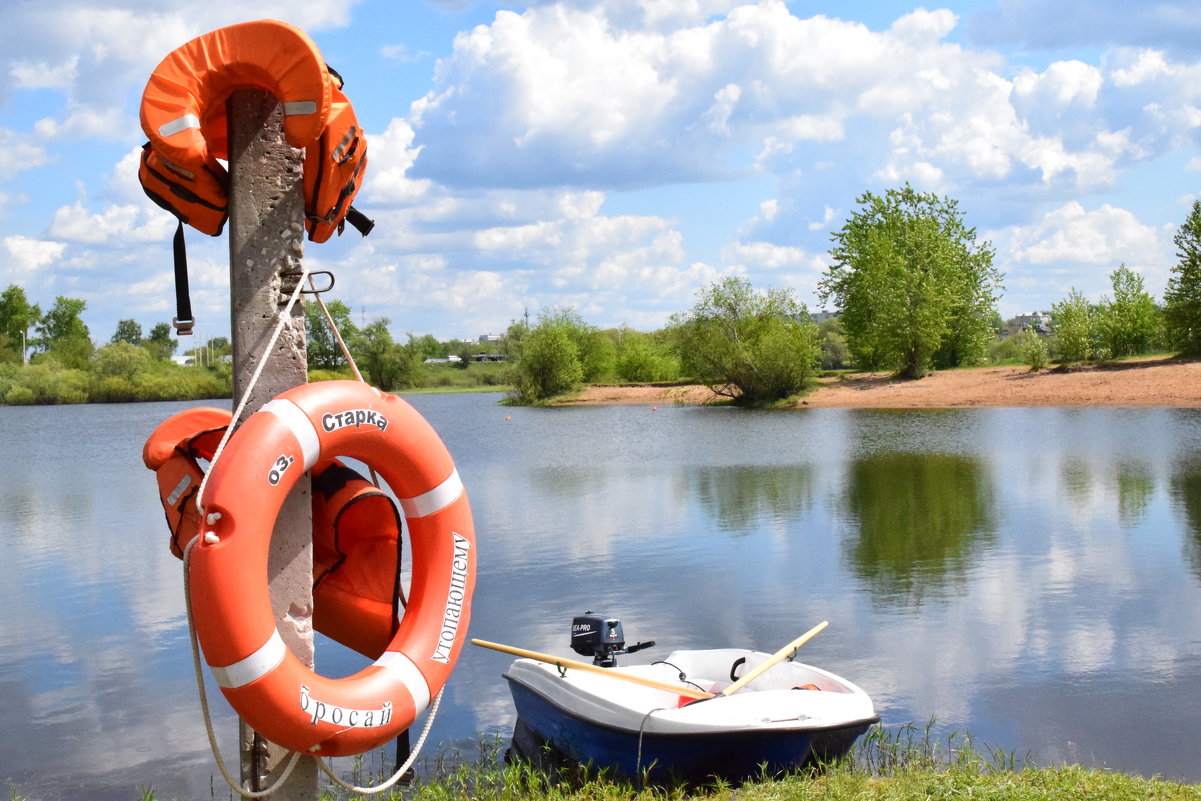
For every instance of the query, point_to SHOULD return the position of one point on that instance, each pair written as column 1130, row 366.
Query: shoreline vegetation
column 1149, row 381
column 1144, row 382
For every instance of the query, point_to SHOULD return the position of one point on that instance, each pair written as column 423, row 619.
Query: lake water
column 1031, row 577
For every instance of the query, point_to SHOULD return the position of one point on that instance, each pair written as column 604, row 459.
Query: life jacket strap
column 183, row 320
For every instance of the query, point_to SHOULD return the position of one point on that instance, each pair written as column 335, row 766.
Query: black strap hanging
column 183, row 320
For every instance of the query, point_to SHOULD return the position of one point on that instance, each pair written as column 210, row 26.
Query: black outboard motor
column 601, row 638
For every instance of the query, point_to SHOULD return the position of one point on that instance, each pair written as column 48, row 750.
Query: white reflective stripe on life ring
column 434, row 500
column 409, row 675
column 255, row 666
column 300, row 425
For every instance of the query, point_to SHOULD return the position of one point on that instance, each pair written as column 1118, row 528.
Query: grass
column 905, row 764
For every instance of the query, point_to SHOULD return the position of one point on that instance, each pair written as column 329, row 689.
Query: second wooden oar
column 571, row 664
column 778, row 656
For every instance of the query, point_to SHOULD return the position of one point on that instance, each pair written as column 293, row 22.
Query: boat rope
column 204, row 704
column 403, row 769
column 683, row 677
column 638, row 758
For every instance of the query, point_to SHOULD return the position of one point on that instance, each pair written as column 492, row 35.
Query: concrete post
column 266, row 241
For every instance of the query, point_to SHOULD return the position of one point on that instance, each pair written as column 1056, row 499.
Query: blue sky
column 616, row 157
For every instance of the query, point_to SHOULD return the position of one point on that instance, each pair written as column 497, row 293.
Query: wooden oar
column 677, row 689
column 778, row 656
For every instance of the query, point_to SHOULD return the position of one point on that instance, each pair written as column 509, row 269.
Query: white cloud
column 41, row 75
column 1071, row 247
column 20, row 153
column 1071, row 234
column 561, row 94
column 390, row 156
column 27, row 256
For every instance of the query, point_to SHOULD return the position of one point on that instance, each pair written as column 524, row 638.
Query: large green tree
column 17, row 316
column 914, row 287
column 1182, row 298
column 753, row 347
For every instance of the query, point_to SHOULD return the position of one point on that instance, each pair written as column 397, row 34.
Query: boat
column 676, row 724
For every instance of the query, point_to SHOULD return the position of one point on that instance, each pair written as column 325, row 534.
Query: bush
column 1034, row 352
column 549, row 365
column 753, row 347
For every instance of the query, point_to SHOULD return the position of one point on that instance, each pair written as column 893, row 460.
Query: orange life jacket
column 333, row 173
column 184, row 116
column 356, row 530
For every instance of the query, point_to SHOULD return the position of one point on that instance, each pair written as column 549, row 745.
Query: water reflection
column 920, row 519
column 1186, row 493
column 739, row 499
column 1136, row 487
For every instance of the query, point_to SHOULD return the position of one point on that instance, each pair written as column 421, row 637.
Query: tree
column 1182, row 298
column 595, row 351
column 1129, row 324
column 62, row 332
column 128, row 331
column 914, row 288
column 324, row 352
column 753, row 347
column 159, row 343
column 833, row 338
column 382, row 361
column 1075, row 331
column 17, row 316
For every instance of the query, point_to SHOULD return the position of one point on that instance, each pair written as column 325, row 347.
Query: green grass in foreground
column 900, row 765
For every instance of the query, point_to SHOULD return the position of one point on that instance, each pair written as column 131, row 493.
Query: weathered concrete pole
column 266, row 241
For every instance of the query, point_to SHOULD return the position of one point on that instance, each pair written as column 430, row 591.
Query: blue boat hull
column 690, row 758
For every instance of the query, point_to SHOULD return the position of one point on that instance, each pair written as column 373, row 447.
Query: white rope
column 284, row 316
column 403, row 769
column 204, row 704
column 333, row 327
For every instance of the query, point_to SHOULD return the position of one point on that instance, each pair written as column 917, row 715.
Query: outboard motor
column 601, row 638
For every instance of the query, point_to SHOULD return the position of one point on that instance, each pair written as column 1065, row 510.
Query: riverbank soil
column 1142, row 382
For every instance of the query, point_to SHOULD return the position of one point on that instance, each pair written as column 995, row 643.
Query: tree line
column 913, row 288
column 914, row 291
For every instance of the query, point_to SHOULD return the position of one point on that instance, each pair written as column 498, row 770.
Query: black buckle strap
column 183, row 320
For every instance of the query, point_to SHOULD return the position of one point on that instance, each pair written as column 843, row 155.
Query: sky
column 616, row 157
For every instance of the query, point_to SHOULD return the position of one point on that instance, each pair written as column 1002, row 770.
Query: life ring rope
column 270, row 654
column 198, row 669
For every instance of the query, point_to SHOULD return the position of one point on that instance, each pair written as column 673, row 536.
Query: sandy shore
column 1145, row 382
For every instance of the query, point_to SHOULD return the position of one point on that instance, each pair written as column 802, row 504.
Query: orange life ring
column 278, row 696
column 183, row 105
